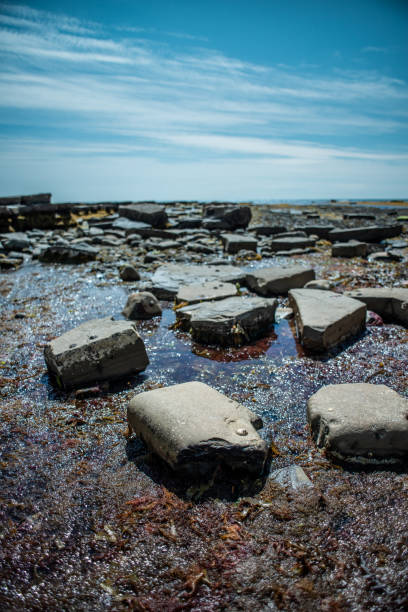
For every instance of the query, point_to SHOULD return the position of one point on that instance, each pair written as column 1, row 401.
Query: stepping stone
column 194, row 428
column 294, row 242
column 68, row 254
column 390, row 303
column 205, row 292
column 236, row 242
column 291, row 477
column 154, row 214
column 371, row 233
column 267, row 230
column 167, row 279
column 277, row 280
column 230, row 322
column 360, row 423
column 324, row 319
column 97, row 350
column 143, row 305
column 352, row 248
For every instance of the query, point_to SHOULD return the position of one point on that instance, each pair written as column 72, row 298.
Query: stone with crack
column 97, row 350
column 194, row 428
column 360, row 423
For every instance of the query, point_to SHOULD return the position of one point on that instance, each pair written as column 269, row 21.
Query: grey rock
column 167, row 244
column 278, row 280
column 279, row 244
column 321, row 231
column 129, row 273
column 229, row 322
column 15, row 241
column 194, row 428
column 70, row 254
column 291, row 477
column 267, row 230
column 371, row 233
column 390, row 303
column 384, row 256
column 100, row 349
column 189, row 222
column 324, row 319
column 168, row 278
column 322, row 284
column 154, row 214
column 204, row 292
column 130, row 227
column 352, row 248
column 143, row 305
column 232, row 216
column 235, row 242
column 360, row 423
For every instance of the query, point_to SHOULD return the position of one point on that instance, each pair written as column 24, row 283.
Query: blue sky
column 226, row 99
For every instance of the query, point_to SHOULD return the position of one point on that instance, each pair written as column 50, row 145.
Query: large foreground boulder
column 390, row 303
column 324, row 319
column 195, row 428
column 100, row 349
column 230, row 322
column 167, row 279
column 360, row 423
column 154, row 214
column 68, row 254
column 278, row 280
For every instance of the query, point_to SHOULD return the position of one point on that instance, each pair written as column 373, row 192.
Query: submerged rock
column 390, row 303
column 230, row 322
column 100, row 349
column 195, row 428
column 143, row 305
column 324, row 319
column 278, row 280
column 360, row 423
column 204, row 292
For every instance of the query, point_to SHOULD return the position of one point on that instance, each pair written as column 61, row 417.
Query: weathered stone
column 38, row 198
column 167, row 244
column 360, row 423
column 385, row 256
column 204, row 292
column 129, row 273
column 371, row 233
column 15, row 241
column 154, row 214
column 390, row 303
column 291, row 477
column 189, row 222
column 235, row 242
column 320, row 283
column 70, row 254
column 131, row 227
column 228, row 322
column 194, row 428
column 278, row 280
column 292, row 242
column 168, row 278
column 324, row 319
column 143, row 305
column 233, row 216
column 267, row 230
column 321, row 231
column 352, row 248
column 100, row 349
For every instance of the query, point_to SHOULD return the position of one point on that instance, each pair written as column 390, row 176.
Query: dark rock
column 143, row 305
column 72, row 254
column 154, row 214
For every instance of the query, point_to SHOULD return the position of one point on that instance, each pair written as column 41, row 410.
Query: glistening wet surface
column 92, row 521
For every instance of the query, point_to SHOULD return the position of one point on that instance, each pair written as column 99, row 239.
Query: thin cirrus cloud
column 121, row 92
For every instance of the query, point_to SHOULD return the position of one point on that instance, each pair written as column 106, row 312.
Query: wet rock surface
column 205, row 292
column 168, row 278
column 93, row 520
column 195, row 428
column 390, row 303
column 278, row 280
column 100, row 349
column 360, row 423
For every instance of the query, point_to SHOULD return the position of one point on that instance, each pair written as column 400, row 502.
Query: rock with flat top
column 324, row 318
column 277, row 280
column 391, row 303
column 352, row 248
column 195, row 428
column 142, row 305
column 291, row 242
column 370, row 233
column 68, row 254
column 146, row 212
column 230, row 322
column 319, row 283
column 205, row 292
column 360, row 423
column 97, row 350
column 167, row 279
column 236, row 242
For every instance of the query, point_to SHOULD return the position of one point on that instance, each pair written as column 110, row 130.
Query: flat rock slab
column 154, row 214
column 68, row 254
column 360, row 423
column 292, row 242
column 235, row 242
column 167, row 279
column 390, row 303
column 322, row 231
column 324, row 319
column 205, row 292
column 278, row 280
column 230, row 322
column 100, row 349
column 352, row 248
column 371, row 233
column 195, row 428
column 131, row 227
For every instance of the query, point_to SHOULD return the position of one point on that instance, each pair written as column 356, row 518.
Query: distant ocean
column 332, row 202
